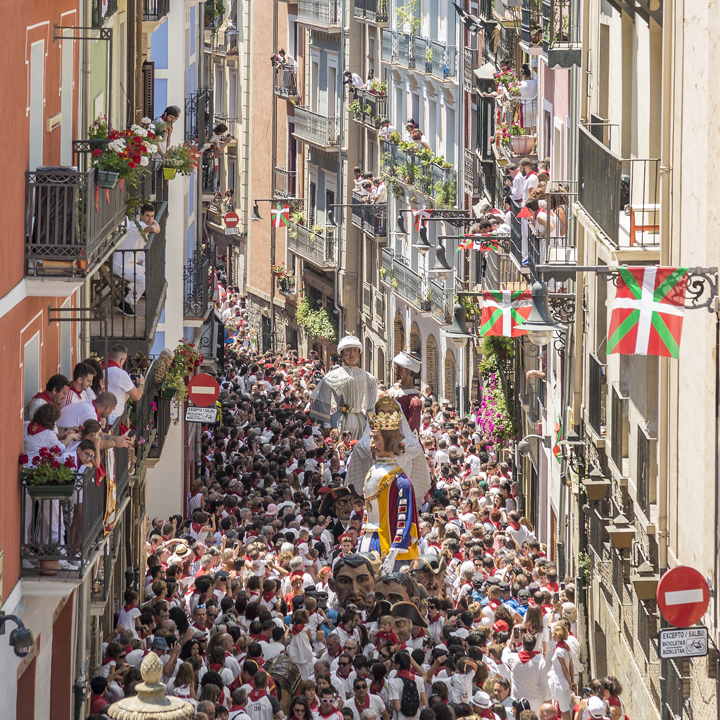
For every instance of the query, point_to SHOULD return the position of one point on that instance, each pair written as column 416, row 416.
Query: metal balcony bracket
column 81, row 315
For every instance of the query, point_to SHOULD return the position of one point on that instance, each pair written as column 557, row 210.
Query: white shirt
column 531, row 182
column 119, row 382
column 43, row 439
column 528, row 679
column 133, row 240
column 376, row 705
column 76, row 414
column 395, row 693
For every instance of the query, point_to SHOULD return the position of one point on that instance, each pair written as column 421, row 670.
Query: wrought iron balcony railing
column 531, row 23
column 444, row 60
column 375, row 11
column 561, row 38
column 389, row 46
column 371, row 218
column 325, row 14
column 100, row 14
column 155, row 10
column 70, row 221
column 285, row 183
column 318, row 248
column 286, row 82
column 197, row 275
column 315, row 128
column 199, row 117
column 372, row 108
column 287, row 286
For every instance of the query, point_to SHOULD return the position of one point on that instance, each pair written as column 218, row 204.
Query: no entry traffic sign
column 682, row 596
column 203, row 390
column 231, row 219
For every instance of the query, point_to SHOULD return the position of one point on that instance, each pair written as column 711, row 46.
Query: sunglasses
column 343, row 664
column 360, row 687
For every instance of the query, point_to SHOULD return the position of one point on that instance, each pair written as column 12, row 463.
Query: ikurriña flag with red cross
column 648, row 310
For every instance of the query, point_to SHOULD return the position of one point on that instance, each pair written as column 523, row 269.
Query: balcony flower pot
column 38, row 492
column 49, row 567
column 522, row 144
column 169, row 173
column 108, row 179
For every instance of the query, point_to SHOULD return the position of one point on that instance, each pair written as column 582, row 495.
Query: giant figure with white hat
column 405, row 392
column 343, row 396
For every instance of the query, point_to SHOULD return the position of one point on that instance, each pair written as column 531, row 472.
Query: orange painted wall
column 21, row 24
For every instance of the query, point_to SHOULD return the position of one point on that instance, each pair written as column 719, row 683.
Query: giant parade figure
column 391, row 508
column 344, row 395
column 404, row 390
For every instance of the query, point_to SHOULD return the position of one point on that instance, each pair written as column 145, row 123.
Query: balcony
column 374, row 11
column 444, row 60
column 101, row 15
column 404, row 49
column 229, row 140
column 389, row 46
column 441, row 302
column 197, row 275
column 199, row 118
column 70, row 222
column 285, row 183
column 287, row 286
column 371, row 219
column 401, row 278
column 621, row 196
column 323, row 14
column 421, row 56
column 561, row 38
column 155, row 10
column 596, row 395
column 471, row 177
column 319, row 248
column 286, row 82
column 316, row 129
column 369, row 108
column 210, row 183
column 128, row 273
column 531, row 26
column 436, row 181
column 486, row 10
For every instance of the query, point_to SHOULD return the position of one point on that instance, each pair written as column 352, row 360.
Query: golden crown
column 387, row 415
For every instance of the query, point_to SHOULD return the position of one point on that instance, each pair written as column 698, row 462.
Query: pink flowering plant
column 45, row 468
column 495, row 419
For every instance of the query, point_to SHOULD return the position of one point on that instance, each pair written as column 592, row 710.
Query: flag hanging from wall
column 280, row 215
column 483, row 243
column 648, row 310
column 504, row 312
column 419, row 216
column 559, row 435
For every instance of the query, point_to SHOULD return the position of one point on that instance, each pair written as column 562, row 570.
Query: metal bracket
column 486, row 242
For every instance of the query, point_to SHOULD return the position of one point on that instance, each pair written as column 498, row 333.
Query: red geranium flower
column 23, row 458
column 70, row 463
column 97, row 152
column 55, row 464
column 36, row 460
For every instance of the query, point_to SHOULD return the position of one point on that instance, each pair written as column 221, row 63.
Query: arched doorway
column 432, row 365
column 450, row 378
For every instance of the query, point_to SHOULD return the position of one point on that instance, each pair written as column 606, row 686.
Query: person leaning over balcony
column 419, row 138
column 120, row 384
column 129, row 259
column 74, row 416
column 98, row 383
column 56, row 391
column 386, row 127
column 379, row 192
column 354, row 80
column 83, row 376
column 169, row 117
column 40, row 431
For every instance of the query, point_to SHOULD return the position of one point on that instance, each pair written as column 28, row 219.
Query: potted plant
column 51, row 562
column 318, row 230
column 183, row 159
column 425, row 302
column 183, row 366
column 44, row 476
column 520, row 143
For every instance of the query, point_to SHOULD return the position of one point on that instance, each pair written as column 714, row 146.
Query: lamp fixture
column 440, row 266
column 21, row 639
column 256, row 212
column 458, row 333
column 540, row 325
column 423, row 245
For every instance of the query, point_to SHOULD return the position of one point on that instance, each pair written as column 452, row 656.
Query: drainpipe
column 339, row 93
column 137, row 110
column 273, row 161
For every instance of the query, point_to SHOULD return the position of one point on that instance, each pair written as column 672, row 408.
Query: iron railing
column 371, row 218
column 486, row 9
column 144, row 415
column 596, row 536
column 373, row 108
column 441, row 302
column 287, row 285
column 402, row 279
column 389, row 42
column 199, row 117
column 285, row 181
column 231, row 123
column 596, row 394
column 207, row 166
column 471, row 176
column 619, row 434
column 98, row 18
column 620, row 195
column 286, row 82
column 70, row 221
column 197, row 276
column 319, row 248
column 372, row 10
column 323, row 13
column 154, row 10
column 531, row 23
column 136, row 277
column 470, row 64
column 162, row 417
column 561, row 242
column 403, row 49
column 444, row 60
column 561, row 38
column 315, row 128
column 438, row 182
column 679, row 679
column 516, row 242
column 421, row 59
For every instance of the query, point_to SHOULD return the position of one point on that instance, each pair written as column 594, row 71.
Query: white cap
column 406, row 360
column 596, row 707
column 481, row 699
column 349, row 341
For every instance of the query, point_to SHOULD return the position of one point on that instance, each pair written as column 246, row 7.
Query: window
column 312, row 203
column 31, row 368
column 37, row 103
column 66, row 335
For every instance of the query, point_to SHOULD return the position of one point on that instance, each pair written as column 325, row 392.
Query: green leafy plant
column 186, row 359
column 318, row 323
column 394, row 283
column 445, row 193
column 378, row 87
column 184, row 158
column 318, row 230
column 45, row 468
column 383, row 272
column 585, row 566
column 408, row 17
column 214, row 9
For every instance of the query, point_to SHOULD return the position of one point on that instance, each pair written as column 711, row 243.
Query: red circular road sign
column 203, row 390
column 682, row 596
column 232, row 219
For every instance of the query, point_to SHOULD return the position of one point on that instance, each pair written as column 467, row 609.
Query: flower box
column 522, row 144
column 38, row 492
column 169, row 173
column 108, row 179
column 168, row 393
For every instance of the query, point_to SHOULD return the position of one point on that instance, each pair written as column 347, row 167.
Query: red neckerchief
column 487, row 713
column 197, row 527
column 128, row 608
column 365, row 706
column 108, row 660
column 268, row 596
column 407, row 674
column 332, row 712
column 34, row 428
column 432, row 619
column 42, row 396
column 109, row 364
column 256, row 694
column 526, row 656
column 553, row 586
column 217, row 667
column 201, row 629
column 73, row 390
column 493, row 604
column 416, row 634
column 344, row 677
column 297, row 629
column 514, row 525
column 376, row 688
column 612, row 701
column 459, row 556
column 497, row 525
column 337, row 654
column 562, row 644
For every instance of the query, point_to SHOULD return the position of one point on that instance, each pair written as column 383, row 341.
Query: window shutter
column 148, row 81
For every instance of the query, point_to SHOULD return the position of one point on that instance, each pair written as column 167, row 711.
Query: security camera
column 524, row 448
column 21, row 641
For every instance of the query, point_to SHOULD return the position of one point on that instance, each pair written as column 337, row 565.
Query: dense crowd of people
column 260, row 606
